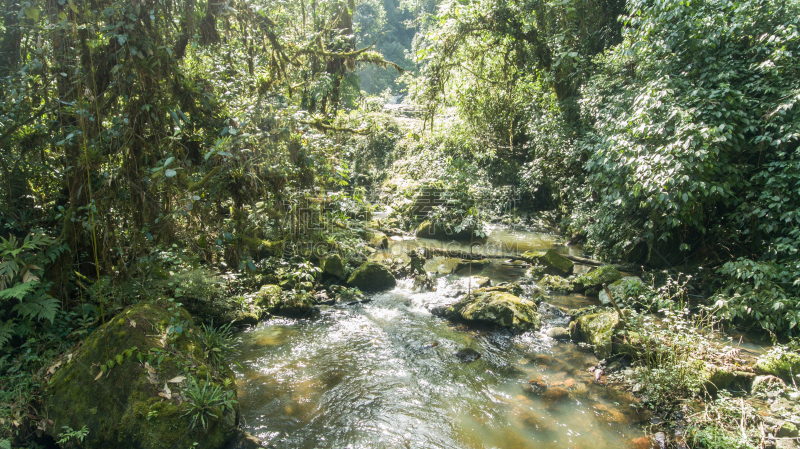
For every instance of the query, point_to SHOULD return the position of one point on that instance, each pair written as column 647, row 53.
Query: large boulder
column 372, row 276
column 619, row 289
column 334, row 266
column 596, row 278
column 494, row 307
column 598, row 330
column 553, row 262
column 428, row 230
column 130, row 384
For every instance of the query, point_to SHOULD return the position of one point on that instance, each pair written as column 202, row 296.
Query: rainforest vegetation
column 188, row 151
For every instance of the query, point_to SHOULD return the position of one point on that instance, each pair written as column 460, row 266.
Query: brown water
column 385, row 375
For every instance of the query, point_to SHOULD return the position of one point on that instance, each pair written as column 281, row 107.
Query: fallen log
column 477, row 256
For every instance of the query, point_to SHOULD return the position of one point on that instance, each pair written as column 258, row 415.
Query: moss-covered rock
column 596, row 278
column 372, row 276
column 268, row 297
column 296, row 304
column 128, row 405
column 428, row 230
column 780, row 363
column 717, row 378
column 333, row 265
column 553, row 262
column 464, row 266
column 378, row 240
column 555, row 283
column 598, row 330
column 619, row 289
column 496, row 308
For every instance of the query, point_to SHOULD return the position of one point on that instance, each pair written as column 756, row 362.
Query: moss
column 555, row 283
column 334, row 266
column 372, row 276
column 779, row 363
column 115, row 407
column 268, row 297
column 598, row 329
column 497, row 308
column 596, row 278
column 553, row 262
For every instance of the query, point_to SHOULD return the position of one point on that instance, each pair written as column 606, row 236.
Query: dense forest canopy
column 143, row 141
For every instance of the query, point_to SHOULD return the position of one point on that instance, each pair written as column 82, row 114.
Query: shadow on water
column 386, row 375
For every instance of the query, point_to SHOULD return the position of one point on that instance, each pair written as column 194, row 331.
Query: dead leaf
column 177, row 379
column 164, row 395
column 149, row 368
column 53, row 368
column 167, row 390
column 98, row 375
column 132, row 323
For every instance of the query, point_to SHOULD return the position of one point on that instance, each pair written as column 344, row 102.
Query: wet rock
column 333, row 266
column 620, row 288
column 474, row 282
column 779, row 363
column 787, row 430
column 543, row 359
column 464, row 266
column 493, row 307
column 595, row 279
column 428, row 230
column 558, row 333
column 598, row 330
column 379, row 240
column 372, row 276
column 535, row 386
column 468, row 355
column 553, row 262
column 243, row 440
column 555, row 283
column 115, row 405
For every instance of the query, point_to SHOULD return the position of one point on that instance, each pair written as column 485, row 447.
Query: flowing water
column 385, row 374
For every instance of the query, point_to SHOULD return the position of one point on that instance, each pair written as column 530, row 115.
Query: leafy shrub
column 218, row 342
column 759, row 292
column 205, row 400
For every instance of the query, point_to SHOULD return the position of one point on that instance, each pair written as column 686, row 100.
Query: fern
column 19, row 291
column 6, row 331
column 39, row 308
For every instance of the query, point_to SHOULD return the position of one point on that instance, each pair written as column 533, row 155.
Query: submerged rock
column 468, row 355
column 117, row 406
column 598, row 330
column 596, row 278
column 372, row 276
column 553, row 262
column 494, row 307
column 334, row 266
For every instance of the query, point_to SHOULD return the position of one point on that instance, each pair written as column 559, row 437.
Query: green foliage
column 725, row 422
column 23, row 297
column 217, row 343
column 206, row 400
column 764, row 293
column 72, row 438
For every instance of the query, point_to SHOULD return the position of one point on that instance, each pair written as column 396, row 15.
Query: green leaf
column 43, row 308
column 32, row 13
column 18, row 291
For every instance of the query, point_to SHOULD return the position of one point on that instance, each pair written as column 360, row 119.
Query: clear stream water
column 384, row 374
